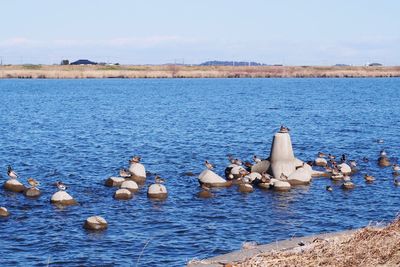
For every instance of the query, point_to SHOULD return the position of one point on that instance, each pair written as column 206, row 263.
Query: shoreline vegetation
column 180, row 71
column 368, row 246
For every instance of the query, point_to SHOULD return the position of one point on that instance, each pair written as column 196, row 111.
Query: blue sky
column 289, row 32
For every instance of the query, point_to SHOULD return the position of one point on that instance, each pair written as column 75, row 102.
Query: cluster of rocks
column 129, row 180
column 280, row 171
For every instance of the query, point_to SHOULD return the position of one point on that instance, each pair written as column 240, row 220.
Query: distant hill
column 231, row 63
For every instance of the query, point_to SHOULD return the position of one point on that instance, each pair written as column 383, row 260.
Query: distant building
column 374, row 64
column 64, row 62
column 83, row 62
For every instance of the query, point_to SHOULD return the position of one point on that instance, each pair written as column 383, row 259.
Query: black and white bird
column 284, row 129
column 11, row 173
column 61, row 186
column 256, row 159
column 208, row 165
column 159, row 180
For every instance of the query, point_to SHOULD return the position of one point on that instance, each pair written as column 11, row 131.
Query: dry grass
column 170, row 71
column 367, row 247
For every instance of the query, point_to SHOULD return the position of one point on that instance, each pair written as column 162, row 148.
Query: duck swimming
column 33, row 183
column 383, row 153
column 396, row 182
column 329, row 188
column 396, row 167
column 11, row 173
column 369, row 178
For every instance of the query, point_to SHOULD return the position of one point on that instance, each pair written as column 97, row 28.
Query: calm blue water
column 82, row 131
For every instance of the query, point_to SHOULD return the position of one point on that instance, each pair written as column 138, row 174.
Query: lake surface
column 83, row 131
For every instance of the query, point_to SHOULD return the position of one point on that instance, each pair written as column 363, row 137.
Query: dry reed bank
column 369, row 246
column 171, row 71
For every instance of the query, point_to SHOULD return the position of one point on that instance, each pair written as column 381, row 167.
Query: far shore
column 178, row 71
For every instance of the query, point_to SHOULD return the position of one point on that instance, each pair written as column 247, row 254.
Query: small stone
column 114, row 181
column 62, row 198
column 4, row 212
column 130, row 185
column 14, row 185
column 32, row 192
column 123, row 194
column 246, row 188
column 157, row 191
column 95, row 223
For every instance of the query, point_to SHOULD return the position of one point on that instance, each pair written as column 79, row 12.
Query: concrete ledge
column 283, row 245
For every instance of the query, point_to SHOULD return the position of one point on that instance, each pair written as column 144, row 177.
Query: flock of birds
column 336, row 174
column 12, row 174
column 332, row 168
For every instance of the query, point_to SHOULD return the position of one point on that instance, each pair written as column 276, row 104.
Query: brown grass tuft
column 369, row 246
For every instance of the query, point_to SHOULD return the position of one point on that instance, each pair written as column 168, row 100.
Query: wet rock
column 130, row 185
column 114, row 181
column 138, row 172
column 123, row 194
column 320, row 162
column 301, row 176
column 245, row 188
column 344, row 168
column 261, row 166
column 157, row 191
column 205, row 194
column 32, row 192
column 4, row 212
column 14, row 185
column 279, row 185
column 95, row 223
column 211, row 179
column 62, row 198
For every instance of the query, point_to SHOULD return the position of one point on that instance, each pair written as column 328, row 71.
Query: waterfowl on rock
column 159, row 180
column 343, row 158
column 124, row 173
column 237, row 162
column 61, row 186
column 331, row 157
column 353, row 163
column 321, row 155
column 256, row 159
column 383, row 153
column 135, row 159
column 11, row 173
column 346, row 178
column 283, row 176
column 208, row 165
column 369, row 178
column 33, row 183
column 284, row 129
